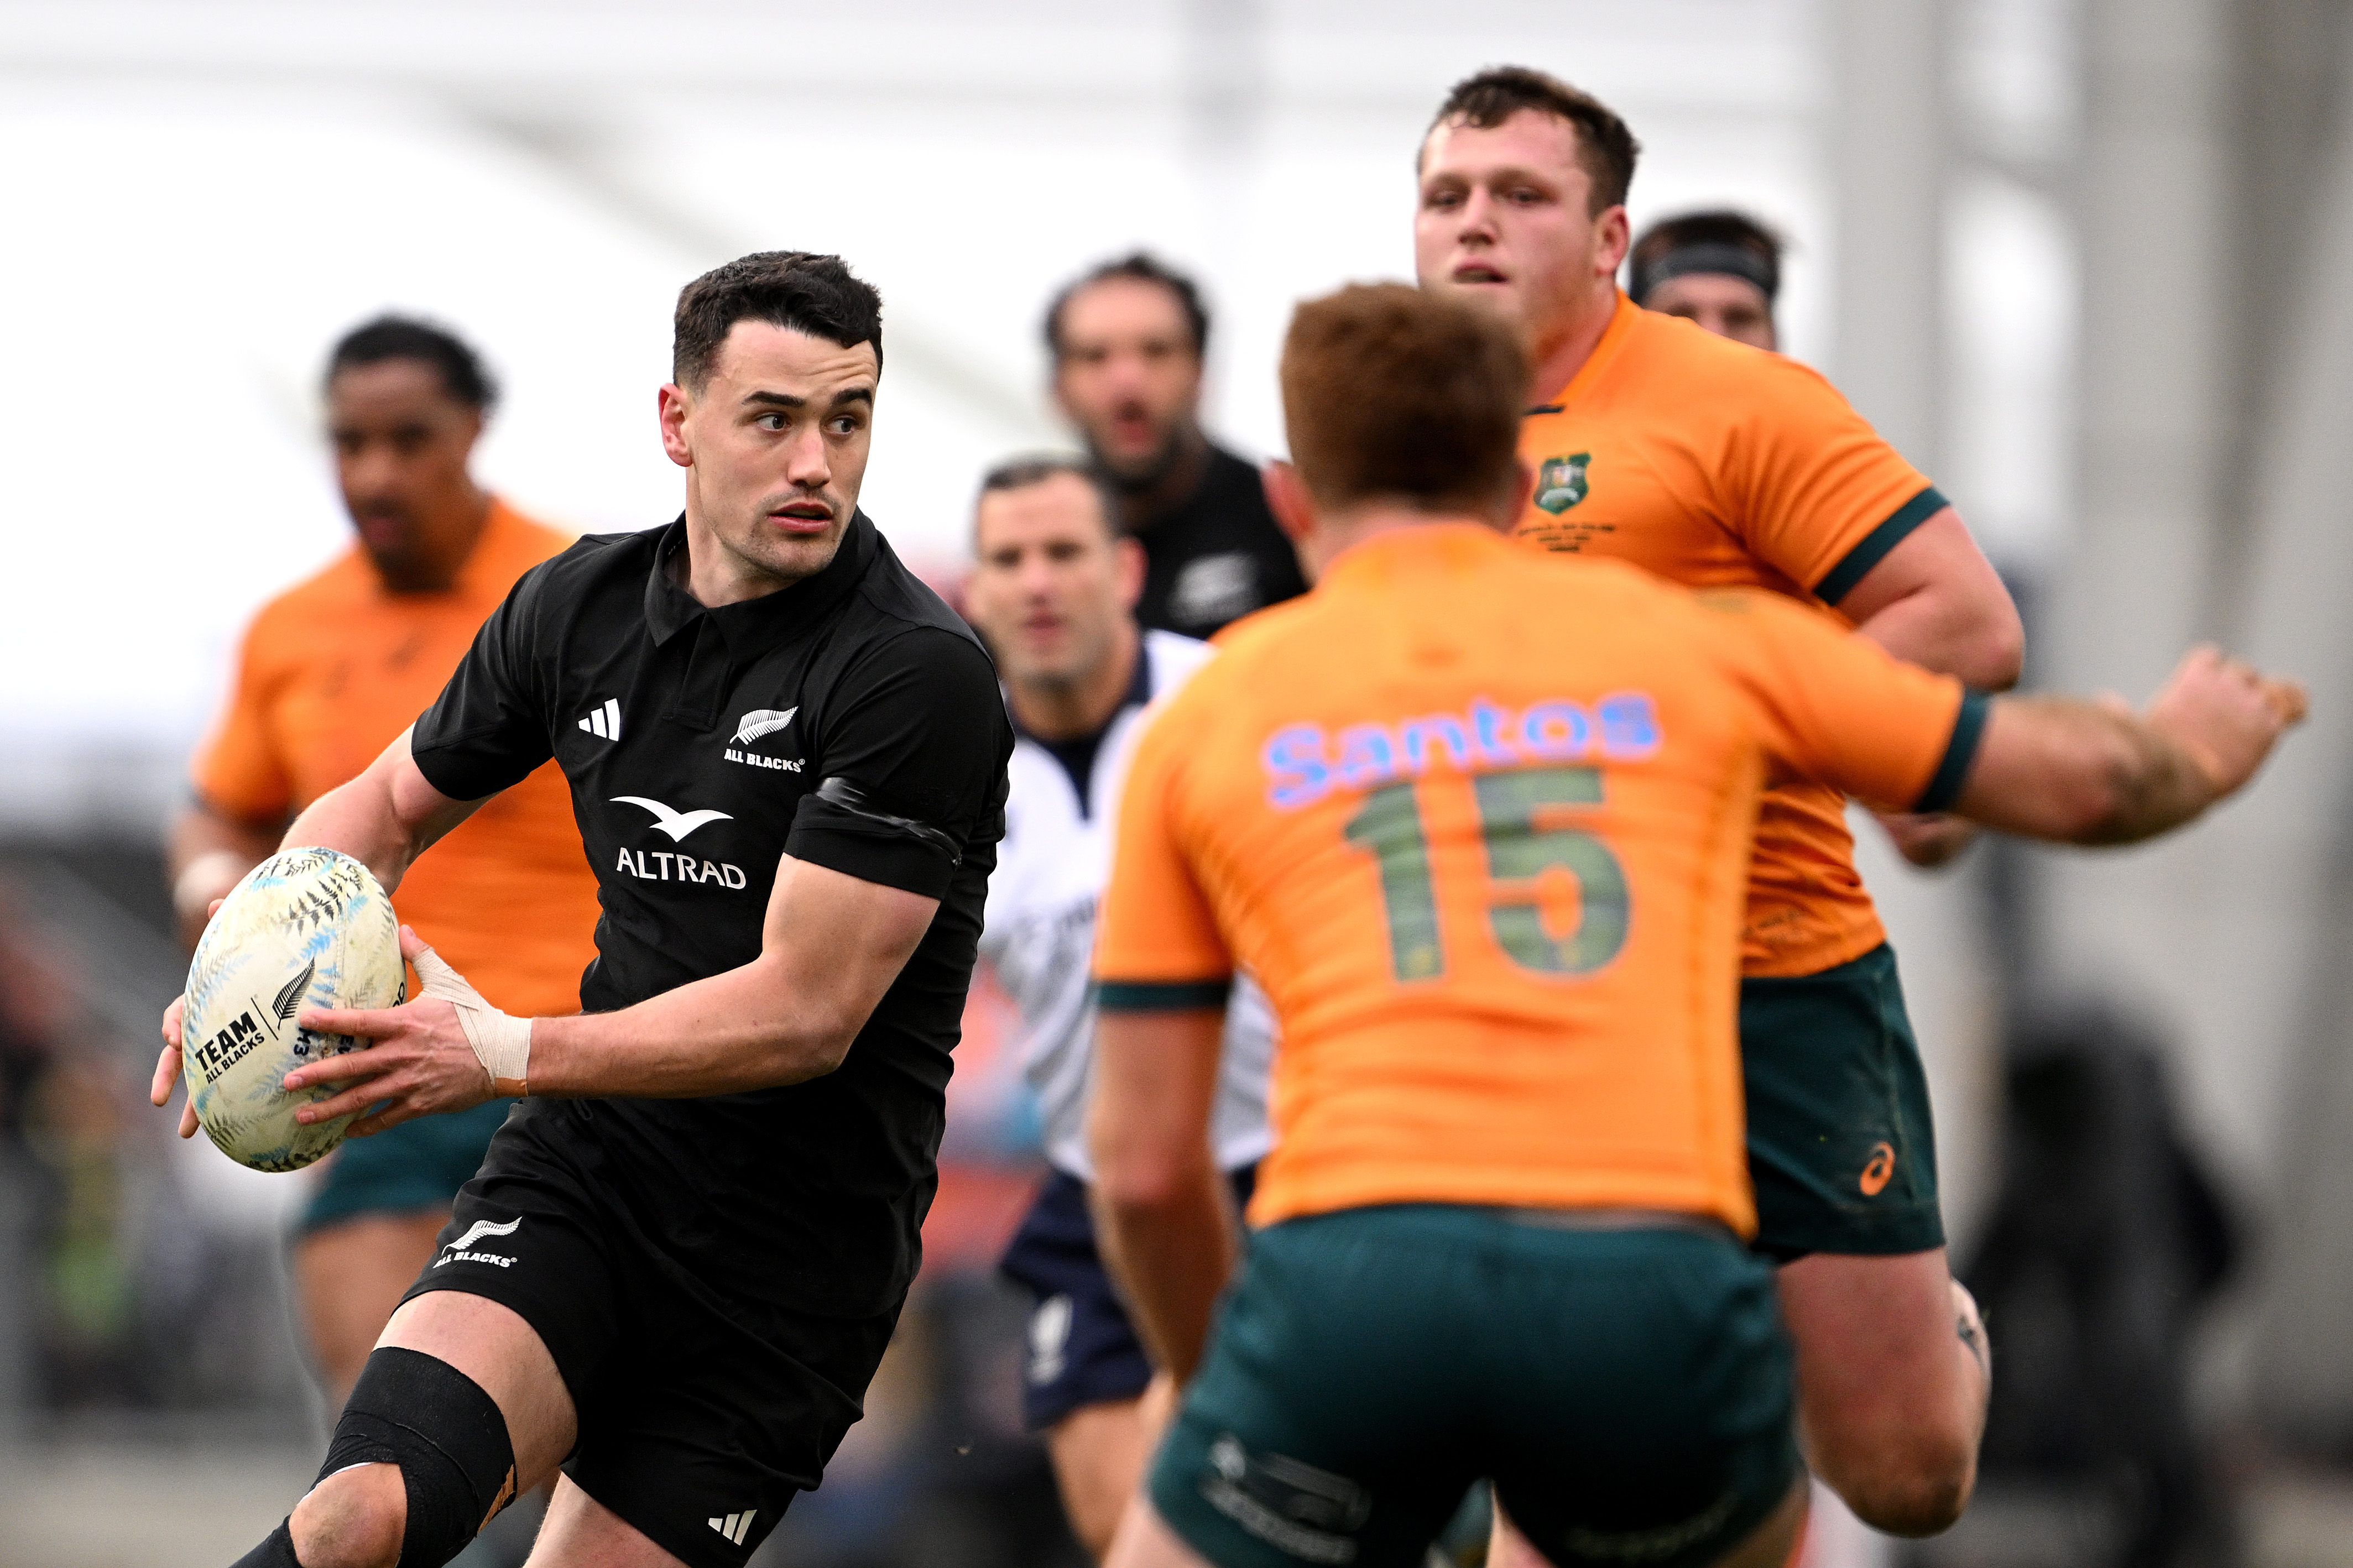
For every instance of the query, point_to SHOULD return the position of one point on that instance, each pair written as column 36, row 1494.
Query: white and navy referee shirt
column 1038, row 930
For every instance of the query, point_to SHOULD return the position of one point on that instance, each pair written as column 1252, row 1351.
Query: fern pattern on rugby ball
column 305, row 928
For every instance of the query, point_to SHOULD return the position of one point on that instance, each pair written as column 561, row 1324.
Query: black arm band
column 841, row 792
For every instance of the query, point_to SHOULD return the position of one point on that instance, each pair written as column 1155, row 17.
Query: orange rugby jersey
column 332, row 671
column 1718, row 464
column 1480, row 825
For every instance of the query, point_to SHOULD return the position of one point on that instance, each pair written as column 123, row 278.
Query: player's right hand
column 2225, row 714
column 167, row 1063
column 167, row 1067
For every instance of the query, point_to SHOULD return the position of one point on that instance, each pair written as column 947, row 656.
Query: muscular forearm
column 2158, row 787
column 2077, row 773
column 358, row 819
column 742, row 1030
column 1171, row 1250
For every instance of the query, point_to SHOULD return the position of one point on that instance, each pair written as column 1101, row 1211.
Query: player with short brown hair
column 1716, row 465
column 1480, row 823
column 686, row 1250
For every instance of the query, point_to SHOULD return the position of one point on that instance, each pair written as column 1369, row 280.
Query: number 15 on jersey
column 1522, row 857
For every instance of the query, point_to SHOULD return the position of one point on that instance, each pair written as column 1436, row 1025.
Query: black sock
column 277, row 1551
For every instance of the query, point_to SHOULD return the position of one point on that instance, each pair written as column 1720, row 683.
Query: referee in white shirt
column 1054, row 595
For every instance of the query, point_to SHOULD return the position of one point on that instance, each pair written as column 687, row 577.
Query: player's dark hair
column 795, row 289
column 1142, row 268
column 1716, row 241
column 392, row 337
column 1394, row 393
column 1605, row 147
column 1036, row 468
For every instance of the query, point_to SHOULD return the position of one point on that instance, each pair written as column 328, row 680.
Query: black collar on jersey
column 755, row 627
column 1077, row 755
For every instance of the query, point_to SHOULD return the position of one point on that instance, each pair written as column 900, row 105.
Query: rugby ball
column 305, row 928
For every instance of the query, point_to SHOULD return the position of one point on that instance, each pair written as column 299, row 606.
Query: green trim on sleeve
column 1842, row 578
column 1161, row 996
column 1968, row 728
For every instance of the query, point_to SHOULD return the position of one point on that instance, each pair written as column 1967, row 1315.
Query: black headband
column 1732, row 260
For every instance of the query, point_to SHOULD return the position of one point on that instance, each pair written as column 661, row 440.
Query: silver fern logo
column 761, row 721
column 290, row 998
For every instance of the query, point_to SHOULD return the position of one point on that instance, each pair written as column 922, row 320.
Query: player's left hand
column 1928, row 839
column 420, row 1065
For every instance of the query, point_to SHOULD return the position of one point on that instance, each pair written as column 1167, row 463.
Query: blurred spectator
column 2106, row 1240
column 1128, row 341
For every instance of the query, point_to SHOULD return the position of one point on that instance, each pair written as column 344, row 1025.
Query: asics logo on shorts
column 736, row 1526
column 460, row 1250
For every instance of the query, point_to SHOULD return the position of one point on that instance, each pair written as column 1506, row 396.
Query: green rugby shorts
column 1841, row 1148
column 1629, row 1390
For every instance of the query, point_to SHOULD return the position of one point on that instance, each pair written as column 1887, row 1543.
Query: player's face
column 401, row 446
column 1129, row 378
column 1052, row 584
column 1727, row 306
column 775, row 445
column 1504, row 218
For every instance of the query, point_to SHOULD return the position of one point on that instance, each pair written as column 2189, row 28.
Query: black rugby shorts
column 701, row 1413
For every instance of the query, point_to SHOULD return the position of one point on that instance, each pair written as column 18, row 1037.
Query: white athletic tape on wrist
column 501, row 1040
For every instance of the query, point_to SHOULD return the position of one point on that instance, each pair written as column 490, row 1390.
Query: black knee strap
column 448, row 1438
column 277, row 1551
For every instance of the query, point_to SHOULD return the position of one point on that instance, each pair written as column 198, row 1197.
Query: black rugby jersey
column 1217, row 555
column 851, row 720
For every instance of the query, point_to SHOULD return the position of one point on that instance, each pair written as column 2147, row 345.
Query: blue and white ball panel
column 305, row 928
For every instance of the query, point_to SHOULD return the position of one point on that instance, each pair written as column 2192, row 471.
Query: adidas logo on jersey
column 736, row 1526
column 604, row 723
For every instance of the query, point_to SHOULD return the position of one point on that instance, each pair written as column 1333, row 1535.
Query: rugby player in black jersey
column 687, row 1247
column 1128, row 340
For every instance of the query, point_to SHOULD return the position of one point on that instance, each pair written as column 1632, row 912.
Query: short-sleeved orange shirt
column 1480, row 825
column 331, row 672
column 1717, row 465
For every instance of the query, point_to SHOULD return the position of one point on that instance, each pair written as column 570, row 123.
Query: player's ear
column 1287, row 498
column 673, row 403
column 1613, row 235
column 1129, row 562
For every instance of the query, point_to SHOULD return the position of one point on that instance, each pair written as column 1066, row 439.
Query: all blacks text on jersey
column 753, row 759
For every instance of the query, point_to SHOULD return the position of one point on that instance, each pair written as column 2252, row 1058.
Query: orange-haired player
column 331, row 672
column 1716, row 465
column 1480, row 823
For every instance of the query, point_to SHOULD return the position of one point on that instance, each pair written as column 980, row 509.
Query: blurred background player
column 329, row 672
column 1720, row 269
column 1716, row 467
column 1128, row 341
column 1054, row 594
column 1480, row 823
